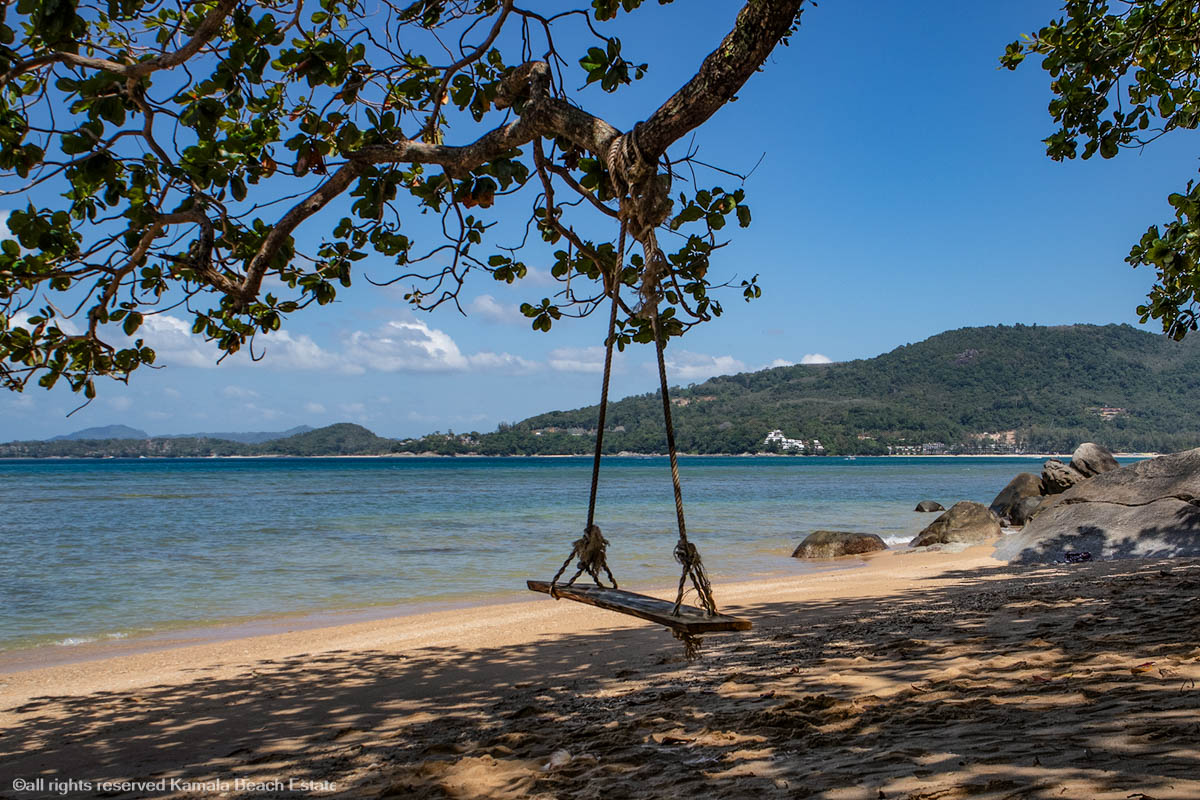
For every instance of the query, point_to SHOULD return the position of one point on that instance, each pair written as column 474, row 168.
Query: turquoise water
column 108, row 548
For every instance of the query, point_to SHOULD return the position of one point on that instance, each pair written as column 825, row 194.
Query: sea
column 99, row 550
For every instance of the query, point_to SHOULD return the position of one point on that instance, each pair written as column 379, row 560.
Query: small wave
column 71, row 641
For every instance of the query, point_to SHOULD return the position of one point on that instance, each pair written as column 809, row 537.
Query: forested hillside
column 1051, row 386
column 995, row 389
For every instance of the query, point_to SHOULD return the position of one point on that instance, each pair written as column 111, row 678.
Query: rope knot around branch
column 644, row 193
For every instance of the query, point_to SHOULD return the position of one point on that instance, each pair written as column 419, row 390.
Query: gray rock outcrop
column 1146, row 510
column 1090, row 459
column 831, row 544
column 929, row 505
column 1023, row 486
column 1024, row 510
column 1057, row 477
column 964, row 522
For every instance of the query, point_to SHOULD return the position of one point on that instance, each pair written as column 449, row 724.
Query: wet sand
column 923, row 676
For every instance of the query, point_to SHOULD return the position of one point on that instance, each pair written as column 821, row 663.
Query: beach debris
column 559, row 758
column 1072, row 557
column 1141, row 668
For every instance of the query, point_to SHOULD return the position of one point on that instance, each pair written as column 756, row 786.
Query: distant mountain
column 249, row 437
column 988, row 389
column 102, row 432
column 342, row 439
column 335, row 440
column 985, row 389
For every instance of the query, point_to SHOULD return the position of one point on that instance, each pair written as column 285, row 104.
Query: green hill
column 335, row 440
column 342, row 439
column 1051, row 387
column 994, row 389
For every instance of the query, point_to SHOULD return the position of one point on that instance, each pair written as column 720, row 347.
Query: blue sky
column 903, row 191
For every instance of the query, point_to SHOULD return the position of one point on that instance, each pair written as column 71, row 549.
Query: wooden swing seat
column 689, row 619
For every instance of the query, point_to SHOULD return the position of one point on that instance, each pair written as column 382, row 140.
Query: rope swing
column 642, row 207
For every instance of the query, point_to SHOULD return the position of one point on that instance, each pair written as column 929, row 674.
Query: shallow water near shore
column 101, row 549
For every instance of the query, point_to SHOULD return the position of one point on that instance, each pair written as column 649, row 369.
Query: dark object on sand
column 1076, row 558
column 831, row 544
column 929, row 505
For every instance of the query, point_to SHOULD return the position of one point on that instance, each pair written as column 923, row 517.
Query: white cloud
column 282, row 350
column 686, row 365
column 413, row 346
column 577, row 359
column 780, row 362
column 815, row 358
column 5, row 233
column 174, row 344
column 174, row 394
column 120, row 403
column 399, row 346
column 314, row 408
column 488, row 307
column 505, row 361
column 239, row 392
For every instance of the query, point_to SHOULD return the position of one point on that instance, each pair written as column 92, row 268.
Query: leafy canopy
column 1123, row 75
column 166, row 152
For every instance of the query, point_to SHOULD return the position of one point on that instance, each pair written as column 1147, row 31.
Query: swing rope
column 591, row 548
column 637, row 212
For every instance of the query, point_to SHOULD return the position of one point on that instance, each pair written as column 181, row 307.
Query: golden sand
column 920, row 676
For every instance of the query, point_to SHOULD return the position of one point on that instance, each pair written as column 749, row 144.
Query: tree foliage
column 1123, row 75
column 168, row 152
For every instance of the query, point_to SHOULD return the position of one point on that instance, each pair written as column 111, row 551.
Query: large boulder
column 831, row 544
column 1019, row 488
column 1057, row 477
column 1090, row 459
column 1024, row 510
column 964, row 522
column 929, row 505
column 1146, row 510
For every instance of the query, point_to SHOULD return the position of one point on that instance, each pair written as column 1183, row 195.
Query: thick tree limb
column 759, row 27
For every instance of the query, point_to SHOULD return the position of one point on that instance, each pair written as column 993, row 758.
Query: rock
column 1024, row 510
column 1019, row 488
column 964, row 522
column 929, row 505
column 831, row 544
column 1145, row 510
column 1057, row 477
column 1092, row 459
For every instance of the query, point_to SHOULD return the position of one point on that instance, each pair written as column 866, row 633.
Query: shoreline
column 920, row 675
column 282, row 635
column 622, row 454
column 103, row 646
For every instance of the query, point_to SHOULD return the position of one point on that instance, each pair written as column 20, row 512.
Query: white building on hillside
column 785, row 444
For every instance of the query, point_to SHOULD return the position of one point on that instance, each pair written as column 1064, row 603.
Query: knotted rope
column 644, row 203
column 591, row 548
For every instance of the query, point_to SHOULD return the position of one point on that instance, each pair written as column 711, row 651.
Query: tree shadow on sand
column 1076, row 681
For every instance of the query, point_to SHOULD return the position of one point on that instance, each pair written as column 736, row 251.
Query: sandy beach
column 919, row 675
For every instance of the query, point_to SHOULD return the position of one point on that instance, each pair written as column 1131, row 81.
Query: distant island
column 998, row 389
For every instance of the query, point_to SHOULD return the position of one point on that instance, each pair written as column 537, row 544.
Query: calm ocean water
column 93, row 549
